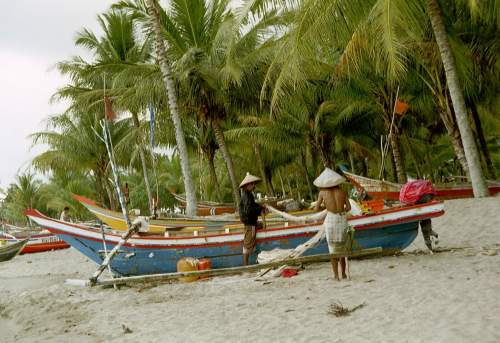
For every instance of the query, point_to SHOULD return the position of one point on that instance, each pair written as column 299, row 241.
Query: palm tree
column 161, row 53
column 471, row 153
column 73, row 145
column 119, row 47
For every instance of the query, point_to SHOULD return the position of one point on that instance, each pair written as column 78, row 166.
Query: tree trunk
column 213, row 175
column 219, row 136
column 269, row 178
column 398, row 158
column 142, row 155
column 308, row 180
column 456, row 140
column 174, row 112
column 111, row 198
column 412, row 156
column 351, row 162
column 482, row 141
column 260, row 162
column 471, row 153
column 325, row 158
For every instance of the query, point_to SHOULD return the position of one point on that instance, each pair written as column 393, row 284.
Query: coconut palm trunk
column 482, row 141
column 213, row 174
column 476, row 173
column 172, row 103
column 219, row 136
column 398, row 158
column 260, row 162
column 142, row 156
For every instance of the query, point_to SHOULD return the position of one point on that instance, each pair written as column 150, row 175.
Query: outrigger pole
column 222, row 271
column 106, row 137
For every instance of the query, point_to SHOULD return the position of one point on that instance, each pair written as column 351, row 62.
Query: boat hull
column 391, row 230
column 38, row 243
column 9, row 251
column 116, row 221
column 379, row 189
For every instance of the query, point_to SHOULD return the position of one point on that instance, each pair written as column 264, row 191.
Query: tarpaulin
column 413, row 191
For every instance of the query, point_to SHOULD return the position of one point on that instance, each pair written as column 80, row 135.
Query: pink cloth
column 412, row 191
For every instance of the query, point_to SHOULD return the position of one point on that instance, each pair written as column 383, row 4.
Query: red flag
column 110, row 115
column 401, row 107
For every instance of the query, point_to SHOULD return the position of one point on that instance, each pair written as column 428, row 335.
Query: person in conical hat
column 249, row 213
column 328, row 178
column 337, row 204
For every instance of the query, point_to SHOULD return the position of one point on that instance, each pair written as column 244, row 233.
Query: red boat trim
column 34, row 248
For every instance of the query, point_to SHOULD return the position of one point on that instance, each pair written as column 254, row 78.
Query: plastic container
column 204, row 264
column 187, row 264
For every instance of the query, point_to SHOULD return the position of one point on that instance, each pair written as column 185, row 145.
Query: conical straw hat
column 249, row 178
column 328, row 178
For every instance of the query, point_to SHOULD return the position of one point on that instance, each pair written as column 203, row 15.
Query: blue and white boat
column 392, row 229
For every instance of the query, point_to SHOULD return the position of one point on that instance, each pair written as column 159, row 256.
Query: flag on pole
column 401, row 107
column 152, row 125
column 110, row 115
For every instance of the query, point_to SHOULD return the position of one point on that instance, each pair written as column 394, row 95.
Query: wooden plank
column 232, row 270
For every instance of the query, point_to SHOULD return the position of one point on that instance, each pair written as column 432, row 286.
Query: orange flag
column 401, row 107
column 110, row 115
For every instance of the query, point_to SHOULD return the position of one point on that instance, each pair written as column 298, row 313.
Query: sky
column 34, row 36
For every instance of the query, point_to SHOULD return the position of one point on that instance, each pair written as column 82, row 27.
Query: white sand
column 446, row 297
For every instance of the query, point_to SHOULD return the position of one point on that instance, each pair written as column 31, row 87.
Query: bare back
column 335, row 200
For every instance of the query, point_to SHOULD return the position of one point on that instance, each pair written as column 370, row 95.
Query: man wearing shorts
column 249, row 212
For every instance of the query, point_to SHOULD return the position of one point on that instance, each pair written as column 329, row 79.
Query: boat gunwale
column 152, row 238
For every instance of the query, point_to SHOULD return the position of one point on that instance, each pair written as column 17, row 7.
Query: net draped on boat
column 316, row 217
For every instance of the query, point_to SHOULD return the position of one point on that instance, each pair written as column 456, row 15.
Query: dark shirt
column 249, row 209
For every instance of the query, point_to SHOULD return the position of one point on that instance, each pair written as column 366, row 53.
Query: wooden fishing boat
column 380, row 189
column 207, row 208
column 391, row 229
column 36, row 243
column 9, row 250
column 116, row 221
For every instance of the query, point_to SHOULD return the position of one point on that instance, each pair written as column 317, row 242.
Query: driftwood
column 223, row 271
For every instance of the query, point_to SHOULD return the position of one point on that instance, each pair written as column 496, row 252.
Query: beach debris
column 339, row 310
column 126, row 329
column 289, row 272
column 492, row 252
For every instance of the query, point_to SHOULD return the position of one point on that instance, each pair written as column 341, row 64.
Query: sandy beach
column 450, row 296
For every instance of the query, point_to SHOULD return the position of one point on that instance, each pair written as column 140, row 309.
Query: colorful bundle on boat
column 391, row 229
column 380, row 189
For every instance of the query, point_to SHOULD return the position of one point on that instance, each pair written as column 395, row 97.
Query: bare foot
column 344, row 276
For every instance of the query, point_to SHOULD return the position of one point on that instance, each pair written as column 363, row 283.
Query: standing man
column 335, row 224
column 249, row 213
column 65, row 215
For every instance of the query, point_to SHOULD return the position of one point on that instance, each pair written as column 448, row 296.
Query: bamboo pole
column 386, row 148
column 234, row 270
